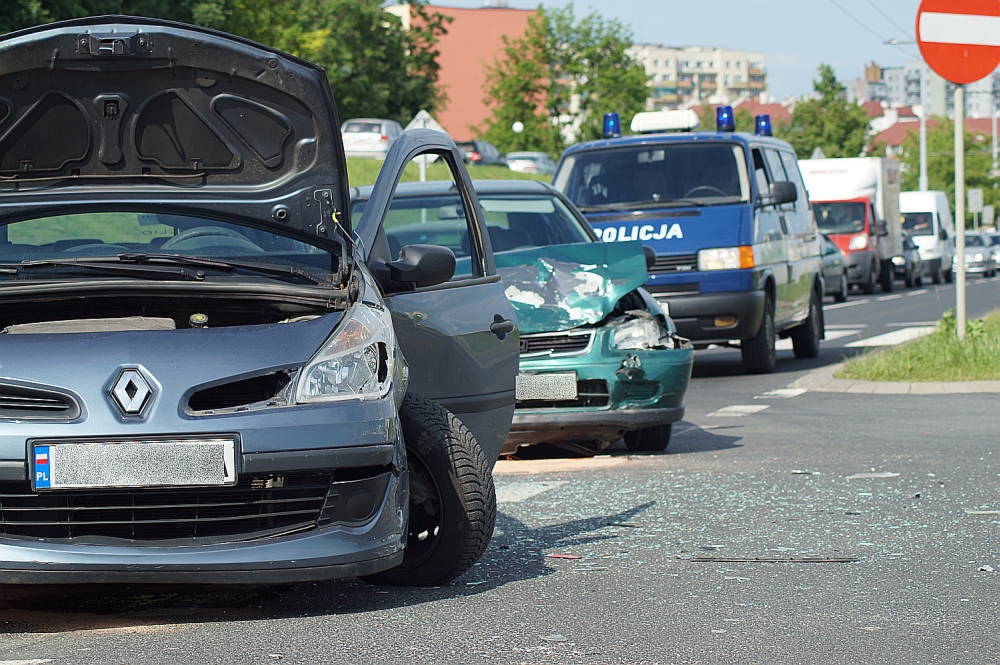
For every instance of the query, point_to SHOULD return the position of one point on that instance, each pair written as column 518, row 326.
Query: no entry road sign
column 960, row 39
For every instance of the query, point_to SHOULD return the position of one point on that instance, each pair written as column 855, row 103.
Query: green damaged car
column 599, row 358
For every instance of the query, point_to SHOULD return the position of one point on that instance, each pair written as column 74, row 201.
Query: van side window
column 792, row 171
column 768, row 224
column 760, row 173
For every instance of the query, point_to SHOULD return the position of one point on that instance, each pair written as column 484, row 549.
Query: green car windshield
column 105, row 235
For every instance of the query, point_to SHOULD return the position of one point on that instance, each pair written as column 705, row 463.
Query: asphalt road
column 781, row 483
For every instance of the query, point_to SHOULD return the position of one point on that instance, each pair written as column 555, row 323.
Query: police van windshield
column 653, row 176
column 836, row 218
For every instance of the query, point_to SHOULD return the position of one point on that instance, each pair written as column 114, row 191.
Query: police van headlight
column 725, row 258
column 355, row 363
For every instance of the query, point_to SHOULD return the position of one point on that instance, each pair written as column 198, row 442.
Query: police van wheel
column 759, row 356
column 806, row 337
column 649, row 440
column 453, row 503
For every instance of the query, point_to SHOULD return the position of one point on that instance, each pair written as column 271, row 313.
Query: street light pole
column 924, row 183
column 960, row 209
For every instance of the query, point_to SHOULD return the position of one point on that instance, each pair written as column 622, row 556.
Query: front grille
column 640, row 391
column 589, row 393
column 675, row 263
column 257, row 506
column 30, row 403
column 556, row 343
column 239, row 393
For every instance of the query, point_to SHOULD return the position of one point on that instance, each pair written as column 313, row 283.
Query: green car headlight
column 643, row 331
column 355, row 363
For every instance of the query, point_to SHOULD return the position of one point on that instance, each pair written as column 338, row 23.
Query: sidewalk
column 822, row 381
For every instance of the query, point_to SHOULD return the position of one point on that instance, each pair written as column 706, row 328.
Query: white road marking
column 35, row 661
column 911, row 324
column 968, row 29
column 739, row 410
column 846, row 326
column 786, row 393
column 918, row 293
column 884, row 298
column 849, row 303
column 517, row 491
column 786, row 344
column 892, row 338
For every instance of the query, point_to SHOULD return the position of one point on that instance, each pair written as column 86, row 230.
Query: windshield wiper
column 640, row 205
column 218, row 264
column 100, row 266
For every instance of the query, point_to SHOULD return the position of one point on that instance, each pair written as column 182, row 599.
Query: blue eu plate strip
column 43, row 477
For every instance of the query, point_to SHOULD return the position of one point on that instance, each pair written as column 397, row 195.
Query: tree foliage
column 744, row 119
column 941, row 163
column 375, row 66
column 562, row 74
column 828, row 122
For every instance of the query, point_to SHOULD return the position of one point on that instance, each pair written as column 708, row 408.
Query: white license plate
column 133, row 463
column 550, row 387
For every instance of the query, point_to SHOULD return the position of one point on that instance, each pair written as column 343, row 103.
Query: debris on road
column 475, row 583
column 718, row 631
column 801, row 472
column 725, row 559
column 786, row 393
column 982, row 512
column 877, row 474
column 985, row 569
column 624, row 524
column 556, row 637
column 563, row 556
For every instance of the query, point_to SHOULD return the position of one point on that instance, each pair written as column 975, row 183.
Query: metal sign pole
column 924, row 183
column 960, row 209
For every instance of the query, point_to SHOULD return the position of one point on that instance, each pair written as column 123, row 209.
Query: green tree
column 829, row 122
column 941, row 163
column 375, row 66
column 517, row 89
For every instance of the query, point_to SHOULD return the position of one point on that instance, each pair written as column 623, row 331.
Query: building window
column 729, row 64
column 739, row 65
column 727, row 80
column 656, row 63
column 698, row 65
column 755, row 65
column 738, row 78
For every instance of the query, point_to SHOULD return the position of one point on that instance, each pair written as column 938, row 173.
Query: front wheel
column 453, row 502
column 886, row 278
column 649, row 440
column 868, row 286
column 936, row 276
column 841, row 296
column 759, row 356
column 806, row 337
column 949, row 276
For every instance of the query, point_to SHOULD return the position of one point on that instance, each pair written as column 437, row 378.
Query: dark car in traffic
column 481, row 153
column 908, row 266
column 834, row 270
column 599, row 358
column 207, row 373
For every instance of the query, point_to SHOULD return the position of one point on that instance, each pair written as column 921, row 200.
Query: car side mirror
column 942, row 234
column 782, row 192
column 650, row 257
column 422, row 265
column 881, row 229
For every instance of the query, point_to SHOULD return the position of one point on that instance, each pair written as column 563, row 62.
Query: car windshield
column 974, row 241
column 646, row 175
column 467, row 146
column 513, row 222
column 918, row 223
column 836, row 218
column 995, row 240
column 363, row 128
column 109, row 234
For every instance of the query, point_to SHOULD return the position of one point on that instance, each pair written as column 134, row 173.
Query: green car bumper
column 617, row 391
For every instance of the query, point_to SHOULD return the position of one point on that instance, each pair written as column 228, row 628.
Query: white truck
column 927, row 218
column 856, row 203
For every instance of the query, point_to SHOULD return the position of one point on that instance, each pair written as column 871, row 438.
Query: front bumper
column 695, row 316
column 653, row 396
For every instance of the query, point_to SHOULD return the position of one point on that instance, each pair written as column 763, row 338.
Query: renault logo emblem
column 131, row 392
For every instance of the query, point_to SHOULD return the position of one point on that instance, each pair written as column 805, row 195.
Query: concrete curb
column 822, row 381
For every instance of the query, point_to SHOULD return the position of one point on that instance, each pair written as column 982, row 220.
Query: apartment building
column 686, row 76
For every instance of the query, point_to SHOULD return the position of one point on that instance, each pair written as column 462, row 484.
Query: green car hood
column 560, row 287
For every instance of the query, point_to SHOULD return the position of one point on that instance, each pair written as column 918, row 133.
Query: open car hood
column 566, row 286
column 114, row 110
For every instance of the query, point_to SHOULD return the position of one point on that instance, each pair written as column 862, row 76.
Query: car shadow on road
column 726, row 363
column 517, row 552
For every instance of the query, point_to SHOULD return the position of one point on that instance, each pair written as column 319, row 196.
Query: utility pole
column 960, row 209
column 924, row 183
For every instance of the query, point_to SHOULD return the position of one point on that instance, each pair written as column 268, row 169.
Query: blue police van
column 737, row 248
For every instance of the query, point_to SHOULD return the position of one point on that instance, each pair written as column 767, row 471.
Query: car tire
column 949, row 276
column 936, row 276
column 453, row 502
column 845, row 288
column 920, row 279
column 908, row 282
column 868, row 286
column 886, row 279
column 759, row 356
column 649, row 439
column 806, row 336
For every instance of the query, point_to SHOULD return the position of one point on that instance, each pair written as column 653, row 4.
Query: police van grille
column 255, row 507
column 675, row 263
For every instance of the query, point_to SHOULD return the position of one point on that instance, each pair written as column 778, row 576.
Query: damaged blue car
column 207, row 373
column 599, row 358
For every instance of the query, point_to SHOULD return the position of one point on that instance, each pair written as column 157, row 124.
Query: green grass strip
column 935, row 357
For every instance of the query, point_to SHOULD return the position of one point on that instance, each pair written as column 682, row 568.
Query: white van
column 927, row 219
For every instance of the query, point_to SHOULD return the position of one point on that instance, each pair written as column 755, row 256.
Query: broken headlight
column 355, row 363
column 641, row 331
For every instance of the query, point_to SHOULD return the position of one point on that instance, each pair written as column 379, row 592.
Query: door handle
column 501, row 326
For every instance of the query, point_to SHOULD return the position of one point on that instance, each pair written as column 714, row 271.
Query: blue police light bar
column 724, row 119
column 762, row 126
column 612, row 126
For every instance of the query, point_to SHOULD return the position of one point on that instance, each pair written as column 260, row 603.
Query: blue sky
column 795, row 35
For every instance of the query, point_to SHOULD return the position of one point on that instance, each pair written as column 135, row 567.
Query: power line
column 865, row 27
column 889, row 19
